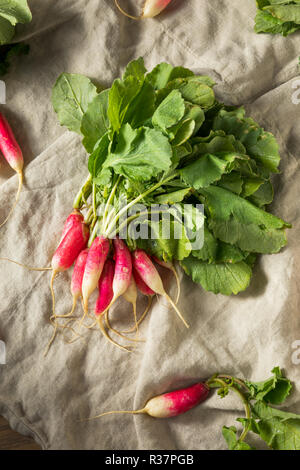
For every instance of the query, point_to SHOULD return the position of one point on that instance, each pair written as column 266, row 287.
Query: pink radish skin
column 151, row 8
column 149, row 274
column 154, row 7
column 94, row 265
column 10, row 147
column 141, row 285
column 13, row 155
column 77, row 276
column 170, row 404
column 104, row 299
column 171, row 267
column 123, row 268
column 131, row 296
column 70, row 247
column 105, row 287
column 74, row 218
column 178, row 402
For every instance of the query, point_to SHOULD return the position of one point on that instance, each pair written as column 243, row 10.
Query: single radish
column 123, row 269
column 69, row 248
column 105, row 297
column 105, row 288
column 141, row 285
column 13, row 155
column 151, row 8
column 77, row 277
column 74, row 218
column 170, row 404
column 94, row 265
column 171, row 267
column 131, row 296
column 149, row 274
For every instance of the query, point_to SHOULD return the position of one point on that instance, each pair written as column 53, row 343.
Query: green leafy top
column 12, row 12
column 279, row 429
column 163, row 138
column 277, row 16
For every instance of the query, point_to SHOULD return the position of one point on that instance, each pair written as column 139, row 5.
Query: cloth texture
column 245, row 335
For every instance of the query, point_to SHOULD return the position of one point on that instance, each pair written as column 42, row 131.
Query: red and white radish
column 97, row 255
column 74, row 218
column 105, row 297
column 69, row 248
column 77, row 277
column 123, row 269
column 131, row 296
column 170, row 404
column 171, row 267
column 151, row 8
column 13, row 155
column 149, row 274
column 105, row 288
column 144, row 289
column 141, row 285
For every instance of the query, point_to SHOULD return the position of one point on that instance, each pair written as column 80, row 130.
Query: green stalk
column 135, row 201
column 83, row 193
column 244, row 400
column 112, row 195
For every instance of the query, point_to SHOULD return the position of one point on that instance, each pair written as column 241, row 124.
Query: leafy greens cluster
column 12, row 12
column 277, row 16
column 162, row 137
column 279, row 429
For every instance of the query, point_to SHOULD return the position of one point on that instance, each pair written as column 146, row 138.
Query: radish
column 170, row 404
column 74, row 218
column 144, row 289
column 151, row 8
column 13, row 155
column 94, row 265
column 76, row 281
column 147, row 271
column 69, row 248
column 123, row 269
column 105, row 288
column 131, row 296
column 105, row 297
column 172, row 268
column 141, row 285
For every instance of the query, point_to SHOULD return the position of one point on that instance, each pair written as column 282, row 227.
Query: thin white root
column 143, row 411
column 102, row 329
column 125, row 13
column 66, row 315
column 30, row 268
column 176, row 310
column 118, row 332
column 131, row 330
column 20, row 175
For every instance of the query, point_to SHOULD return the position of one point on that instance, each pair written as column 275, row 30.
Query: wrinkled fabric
column 245, row 335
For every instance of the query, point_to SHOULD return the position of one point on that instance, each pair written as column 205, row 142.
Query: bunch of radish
column 109, row 266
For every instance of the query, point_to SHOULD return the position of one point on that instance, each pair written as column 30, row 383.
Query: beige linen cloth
column 246, row 335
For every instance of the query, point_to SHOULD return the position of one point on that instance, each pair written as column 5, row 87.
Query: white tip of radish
column 154, row 7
